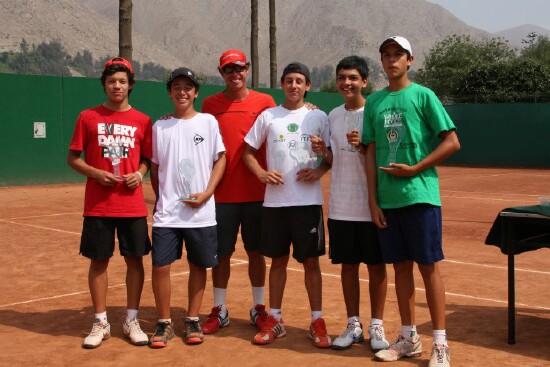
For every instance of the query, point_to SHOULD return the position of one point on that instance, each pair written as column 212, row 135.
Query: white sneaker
column 377, row 338
column 352, row 334
column 133, row 331
column 401, row 347
column 440, row 356
column 99, row 333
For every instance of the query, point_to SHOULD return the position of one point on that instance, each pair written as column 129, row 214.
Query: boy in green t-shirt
column 400, row 123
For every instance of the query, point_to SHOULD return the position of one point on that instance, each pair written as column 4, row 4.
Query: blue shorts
column 413, row 233
column 352, row 242
column 200, row 243
column 231, row 216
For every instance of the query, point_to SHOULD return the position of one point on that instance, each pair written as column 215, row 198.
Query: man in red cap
column 239, row 195
column 116, row 141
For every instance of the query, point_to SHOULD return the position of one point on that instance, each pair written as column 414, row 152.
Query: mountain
column 517, row 34
column 194, row 33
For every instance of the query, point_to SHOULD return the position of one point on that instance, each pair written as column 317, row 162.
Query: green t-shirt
column 403, row 125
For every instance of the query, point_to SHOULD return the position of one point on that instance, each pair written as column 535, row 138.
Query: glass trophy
column 300, row 152
column 114, row 150
column 313, row 124
column 278, row 160
column 186, row 169
column 352, row 121
column 394, row 135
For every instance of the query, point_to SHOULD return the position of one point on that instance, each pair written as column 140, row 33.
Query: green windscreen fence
column 39, row 112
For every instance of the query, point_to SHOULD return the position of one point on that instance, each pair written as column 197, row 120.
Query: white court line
column 243, row 262
column 485, row 193
column 45, row 215
column 237, row 262
column 498, row 267
column 477, row 198
column 39, row 227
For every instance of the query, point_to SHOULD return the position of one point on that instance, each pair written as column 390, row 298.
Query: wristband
column 140, row 175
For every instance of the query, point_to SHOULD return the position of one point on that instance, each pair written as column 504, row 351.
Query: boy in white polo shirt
column 187, row 165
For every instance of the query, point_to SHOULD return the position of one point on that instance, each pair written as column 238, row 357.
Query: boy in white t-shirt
column 353, row 236
column 188, row 163
column 292, row 209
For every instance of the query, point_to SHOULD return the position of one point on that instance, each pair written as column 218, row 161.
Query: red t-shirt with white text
column 103, row 135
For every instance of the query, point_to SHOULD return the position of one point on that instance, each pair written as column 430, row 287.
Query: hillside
column 517, row 34
column 194, row 33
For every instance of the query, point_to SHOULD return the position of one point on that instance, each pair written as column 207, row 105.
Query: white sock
column 440, row 336
column 374, row 321
column 408, row 331
column 219, row 298
column 353, row 319
column 102, row 317
column 315, row 315
column 258, row 295
column 131, row 315
column 165, row 320
column 276, row 313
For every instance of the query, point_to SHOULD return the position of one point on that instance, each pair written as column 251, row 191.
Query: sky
column 498, row 15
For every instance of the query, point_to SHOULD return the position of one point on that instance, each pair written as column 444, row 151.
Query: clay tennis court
column 45, row 307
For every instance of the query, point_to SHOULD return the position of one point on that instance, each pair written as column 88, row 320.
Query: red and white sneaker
column 271, row 329
column 215, row 320
column 318, row 333
column 258, row 316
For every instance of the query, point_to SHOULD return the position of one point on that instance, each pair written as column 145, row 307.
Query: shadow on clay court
column 487, row 327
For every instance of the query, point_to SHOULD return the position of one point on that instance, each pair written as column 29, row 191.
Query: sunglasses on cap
column 119, row 61
column 231, row 68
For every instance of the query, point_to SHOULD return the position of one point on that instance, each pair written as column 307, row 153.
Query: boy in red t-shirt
column 116, row 141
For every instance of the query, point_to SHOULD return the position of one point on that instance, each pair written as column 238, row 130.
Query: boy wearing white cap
column 400, row 123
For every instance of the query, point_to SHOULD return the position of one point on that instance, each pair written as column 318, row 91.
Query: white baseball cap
column 401, row 41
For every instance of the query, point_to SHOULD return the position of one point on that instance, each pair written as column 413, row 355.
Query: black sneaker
column 163, row 333
column 192, row 334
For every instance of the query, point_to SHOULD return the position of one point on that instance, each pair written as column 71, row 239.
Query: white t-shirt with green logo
column 286, row 135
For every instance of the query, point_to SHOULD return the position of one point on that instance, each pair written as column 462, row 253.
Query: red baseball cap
column 232, row 56
column 119, row 61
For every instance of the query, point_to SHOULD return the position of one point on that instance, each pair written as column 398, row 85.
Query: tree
column 272, row 46
column 254, row 57
column 538, row 49
column 518, row 80
column 125, row 29
column 449, row 60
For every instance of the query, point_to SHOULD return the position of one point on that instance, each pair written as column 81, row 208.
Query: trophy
column 394, row 134
column 300, row 152
column 352, row 121
column 313, row 124
column 278, row 160
column 186, row 169
column 114, row 151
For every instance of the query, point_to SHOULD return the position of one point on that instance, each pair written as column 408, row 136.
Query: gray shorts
column 200, row 243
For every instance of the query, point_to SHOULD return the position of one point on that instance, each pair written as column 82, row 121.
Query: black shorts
column 353, row 242
column 300, row 225
column 98, row 237
column 231, row 216
column 200, row 243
